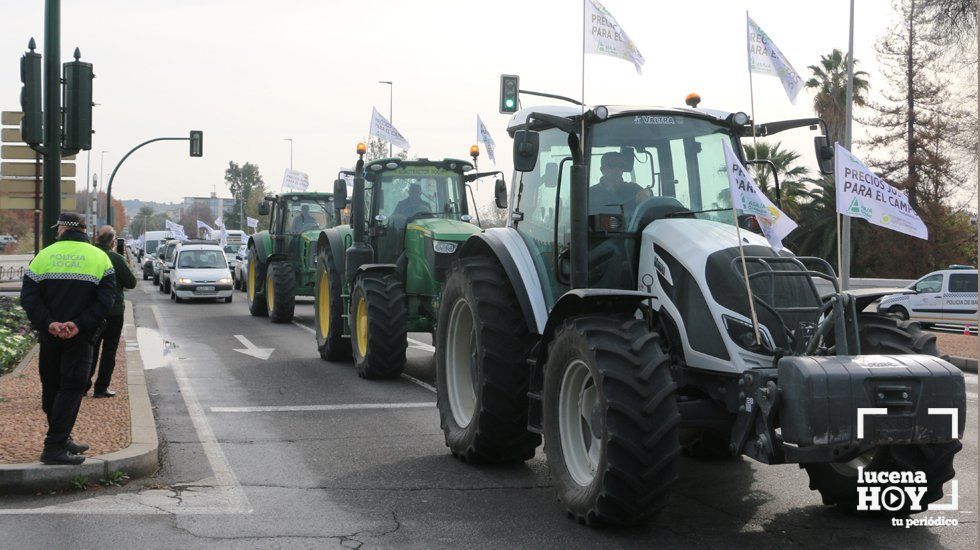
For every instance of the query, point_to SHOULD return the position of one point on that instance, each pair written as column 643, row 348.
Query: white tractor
column 611, row 318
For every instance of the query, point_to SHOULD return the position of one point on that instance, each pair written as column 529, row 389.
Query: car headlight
column 184, row 281
column 225, row 281
column 444, row 247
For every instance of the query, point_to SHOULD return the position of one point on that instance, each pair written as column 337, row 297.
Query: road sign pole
column 37, row 202
column 52, row 119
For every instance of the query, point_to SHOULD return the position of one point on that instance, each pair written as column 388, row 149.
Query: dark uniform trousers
column 109, row 343
column 64, row 368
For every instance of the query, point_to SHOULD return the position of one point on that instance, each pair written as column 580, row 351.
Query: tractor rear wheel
column 280, row 291
column 481, row 375
column 257, row 305
column 379, row 329
column 328, row 308
column 610, row 420
column 837, row 481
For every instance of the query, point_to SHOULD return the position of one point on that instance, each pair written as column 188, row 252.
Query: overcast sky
column 250, row 73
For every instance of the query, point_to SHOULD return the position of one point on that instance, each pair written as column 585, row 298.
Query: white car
column 200, row 271
column 946, row 296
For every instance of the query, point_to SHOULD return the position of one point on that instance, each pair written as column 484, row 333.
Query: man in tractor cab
column 613, row 195
column 412, row 204
column 305, row 221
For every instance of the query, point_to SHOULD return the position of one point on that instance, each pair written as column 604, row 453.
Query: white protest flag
column 176, row 230
column 219, row 222
column 749, row 198
column 862, row 194
column 223, row 237
column 381, row 128
column 483, row 136
column 604, row 36
column 295, row 180
column 206, row 227
column 251, row 222
column 765, row 58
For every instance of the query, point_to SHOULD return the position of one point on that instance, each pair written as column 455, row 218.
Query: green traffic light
column 509, row 103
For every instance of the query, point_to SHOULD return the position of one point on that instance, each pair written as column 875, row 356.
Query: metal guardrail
column 12, row 274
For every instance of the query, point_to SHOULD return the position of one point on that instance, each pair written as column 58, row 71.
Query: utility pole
column 51, row 200
column 845, row 232
column 290, row 140
column 88, row 190
column 391, row 103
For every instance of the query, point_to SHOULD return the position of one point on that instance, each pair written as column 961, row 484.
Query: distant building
column 216, row 205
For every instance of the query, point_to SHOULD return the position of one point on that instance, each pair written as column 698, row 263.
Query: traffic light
column 78, row 77
column 197, row 143
column 30, row 96
column 510, row 85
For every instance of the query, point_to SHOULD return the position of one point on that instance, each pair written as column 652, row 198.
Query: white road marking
column 971, row 395
column 420, row 345
column 970, row 379
column 414, row 380
column 304, row 327
column 304, row 408
column 252, row 350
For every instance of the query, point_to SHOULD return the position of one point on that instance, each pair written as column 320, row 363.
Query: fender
column 262, row 243
column 865, row 296
column 508, row 248
column 383, row 269
column 332, row 240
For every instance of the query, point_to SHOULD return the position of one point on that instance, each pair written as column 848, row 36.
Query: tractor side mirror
column 825, row 154
column 264, row 208
column 500, row 193
column 526, row 144
column 340, row 194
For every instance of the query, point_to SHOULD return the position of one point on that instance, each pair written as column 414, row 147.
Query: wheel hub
column 580, row 422
column 462, row 367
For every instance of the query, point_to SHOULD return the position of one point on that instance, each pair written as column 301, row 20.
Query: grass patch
column 79, row 483
column 116, row 478
column 16, row 336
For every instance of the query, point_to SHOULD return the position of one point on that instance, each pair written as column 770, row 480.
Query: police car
column 946, row 296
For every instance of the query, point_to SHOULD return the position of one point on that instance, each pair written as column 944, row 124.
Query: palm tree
column 829, row 83
column 793, row 192
column 817, row 235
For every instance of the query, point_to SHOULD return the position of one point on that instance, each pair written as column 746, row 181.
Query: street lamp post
column 391, row 102
column 101, row 178
column 290, row 140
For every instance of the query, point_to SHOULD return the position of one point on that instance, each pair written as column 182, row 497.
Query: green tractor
column 381, row 276
column 282, row 260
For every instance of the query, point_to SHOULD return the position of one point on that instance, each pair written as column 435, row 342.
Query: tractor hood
column 442, row 229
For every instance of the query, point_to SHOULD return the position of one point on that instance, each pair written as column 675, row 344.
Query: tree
column 190, row 217
column 377, row 148
column 829, row 84
column 792, row 190
column 245, row 183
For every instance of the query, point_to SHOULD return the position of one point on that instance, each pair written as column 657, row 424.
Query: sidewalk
column 121, row 430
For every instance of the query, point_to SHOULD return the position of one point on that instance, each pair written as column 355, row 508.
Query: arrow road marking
column 252, row 350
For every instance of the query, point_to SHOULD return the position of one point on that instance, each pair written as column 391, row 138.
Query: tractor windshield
column 663, row 161
column 415, row 192
column 306, row 214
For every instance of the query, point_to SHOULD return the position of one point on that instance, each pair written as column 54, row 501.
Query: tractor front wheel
column 610, row 420
column 328, row 309
column 280, row 292
column 379, row 328
column 257, row 305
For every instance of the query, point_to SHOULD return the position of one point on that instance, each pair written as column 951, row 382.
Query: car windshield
column 232, row 248
column 659, row 159
column 418, row 191
column 202, row 259
column 306, row 215
column 151, row 246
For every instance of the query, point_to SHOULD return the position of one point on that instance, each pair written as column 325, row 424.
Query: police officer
column 67, row 292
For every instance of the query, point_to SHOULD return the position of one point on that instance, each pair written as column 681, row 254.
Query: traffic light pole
column 108, row 190
column 51, row 201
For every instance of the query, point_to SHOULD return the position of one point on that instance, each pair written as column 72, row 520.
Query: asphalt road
column 292, row 451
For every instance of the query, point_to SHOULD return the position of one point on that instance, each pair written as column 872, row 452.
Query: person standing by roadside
column 109, row 341
column 66, row 293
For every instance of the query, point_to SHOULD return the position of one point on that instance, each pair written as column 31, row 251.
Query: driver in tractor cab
column 613, row 195
column 305, row 221
column 412, row 204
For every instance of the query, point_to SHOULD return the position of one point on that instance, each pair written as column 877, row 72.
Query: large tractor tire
column 257, row 305
column 280, row 291
column 328, row 309
column 482, row 378
column 610, row 420
column 837, row 482
column 379, row 329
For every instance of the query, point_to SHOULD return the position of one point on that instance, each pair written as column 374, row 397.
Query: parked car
column 945, row 296
column 240, row 270
column 166, row 264
column 7, row 239
column 200, row 271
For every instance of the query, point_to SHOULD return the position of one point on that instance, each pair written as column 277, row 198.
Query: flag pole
column 748, row 48
column 738, row 230
column 845, row 225
column 582, row 135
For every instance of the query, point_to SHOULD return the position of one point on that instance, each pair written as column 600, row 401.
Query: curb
column 26, row 360
column 965, row 364
column 140, row 459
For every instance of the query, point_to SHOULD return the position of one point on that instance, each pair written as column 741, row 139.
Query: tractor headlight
column 444, row 247
column 184, row 281
column 744, row 336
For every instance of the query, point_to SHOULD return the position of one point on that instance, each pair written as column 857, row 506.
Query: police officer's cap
column 70, row 219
